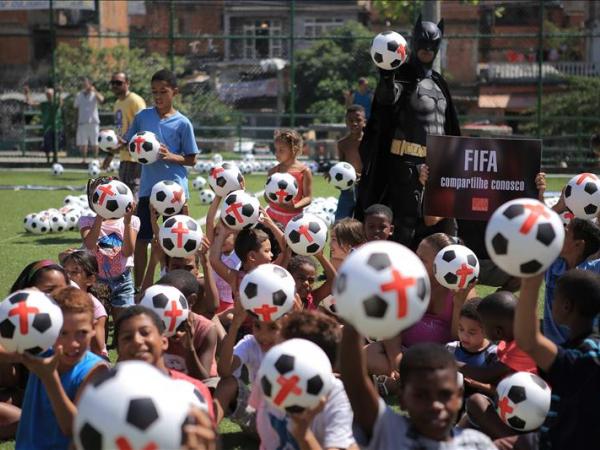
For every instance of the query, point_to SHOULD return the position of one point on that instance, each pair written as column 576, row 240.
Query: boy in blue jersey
column 178, row 149
column 57, row 379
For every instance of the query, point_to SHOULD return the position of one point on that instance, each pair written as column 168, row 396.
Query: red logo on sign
column 479, row 204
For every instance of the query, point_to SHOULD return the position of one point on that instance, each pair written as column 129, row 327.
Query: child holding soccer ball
column 288, row 146
column 304, row 271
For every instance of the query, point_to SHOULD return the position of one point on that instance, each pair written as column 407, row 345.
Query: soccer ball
column 342, row 175
column 523, row 401
column 133, row 406
column 57, row 222
column 199, row 182
column 40, row 224
column 281, row 188
column 217, row 158
column 72, row 219
column 180, row 236
column 93, row 171
column 382, row 288
column 455, row 266
column 194, row 396
column 328, row 303
column 170, row 305
column 582, row 195
column 294, row 375
column 108, row 140
column 207, row 196
column 114, row 165
column 144, row 147
column 248, row 157
column 306, row 234
column 225, row 178
column 27, row 221
column 267, row 292
column 57, row 169
column 240, row 210
column 112, row 200
column 245, row 168
column 30, row 322
column 71, row 200
column 523, row 237
column 388, row 50
column 167, row 197
column 566, row 217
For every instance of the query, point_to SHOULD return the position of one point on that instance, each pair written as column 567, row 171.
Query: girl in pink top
column 288, row 146
column 304, row 271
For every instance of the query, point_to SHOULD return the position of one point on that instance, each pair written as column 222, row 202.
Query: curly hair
column 291, row 138
column 73, row 300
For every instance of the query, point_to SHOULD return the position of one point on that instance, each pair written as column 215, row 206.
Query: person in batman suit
column 410, row 102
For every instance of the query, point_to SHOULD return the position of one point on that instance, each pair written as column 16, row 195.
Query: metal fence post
column 292, row 65
column 53, row 105
column 172, row 35
column 540, row 66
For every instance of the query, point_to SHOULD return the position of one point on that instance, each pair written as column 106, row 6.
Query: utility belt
column 401, row 147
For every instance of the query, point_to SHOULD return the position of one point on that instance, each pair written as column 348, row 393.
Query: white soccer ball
column 112, row 200
column 388, row 50
column 28, row 221
column 200, row 167
column 58, row 222
column 342, row 175
column 180, row 236
column 170, row 305
column 70, row 200
column 93, row 171
column 30, row 321
column 566, row 217
column 225, row 178
column 240, row 210
column 193, row 395
column 294, row 375
column 207, row 196
column 281, row 188
column 57, row 169
column 114, row 165
column 199, row 183
column 523, row 401
column 328, row 303
column 133, row 406
column 382, row 288
column 217, row 158
column 167, row 197
column 267, row 292
column 108, row 140
column 523, row 237
column 306, row 234
column 40, row 224
column 72, row 219
column 144, row 147
column 582, row 195
column 248, row 157
column 455, row 266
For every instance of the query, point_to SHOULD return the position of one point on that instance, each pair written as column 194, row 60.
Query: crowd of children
column 441, row 372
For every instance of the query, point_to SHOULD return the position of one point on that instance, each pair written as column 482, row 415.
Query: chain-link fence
column 248, row 67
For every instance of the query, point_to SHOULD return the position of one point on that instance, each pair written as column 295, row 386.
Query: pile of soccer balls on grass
column 57, row 220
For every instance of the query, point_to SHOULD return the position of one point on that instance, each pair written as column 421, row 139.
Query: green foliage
column 398, row 11
column 206, row 109
column 331, row 67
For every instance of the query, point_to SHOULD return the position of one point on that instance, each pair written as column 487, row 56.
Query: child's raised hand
column 540, row 182
column 423, row 173
column 302, row 421
column 239, row 313
column 460, row 295
column 129, row 212
column 43, row 367
column 164, row 153
column 200, row 433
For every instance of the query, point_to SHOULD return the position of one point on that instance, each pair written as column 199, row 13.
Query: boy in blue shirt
column 178, row 149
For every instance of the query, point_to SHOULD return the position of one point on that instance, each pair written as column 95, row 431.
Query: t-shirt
column 177, row 133
column 250, row 355
column 111, row 261
column 175, row 358
column 553, row 331
column 332, row 427
column 431, row 327
column 176, row 375
column 481, row 358
column 233, row 262
column 87, row 108
column 365, row 100
column 512, row 356
column 125, row 110
column 574, row 414
column 46, row 109
column 38, row 427
column 393, row 432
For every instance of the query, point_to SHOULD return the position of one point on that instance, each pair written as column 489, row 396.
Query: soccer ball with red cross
column 112, row 200
column 144, row 147
column 180, row 236
column 523, row 401
column 306, row 234
column 281, row 188
column 225, row 178
column 381, row 289
column 582, row 195
column 170, row 305
column 267, row 292
column 455, row 266
column 30, row 322
column 294, row 375
column 167, row 197
column 523, row 237
column 240, row 210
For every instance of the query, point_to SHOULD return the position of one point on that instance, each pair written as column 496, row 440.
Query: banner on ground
column 470, row 177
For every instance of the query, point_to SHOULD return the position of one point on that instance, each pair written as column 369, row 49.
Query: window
column 268, row 44
column 314, row 27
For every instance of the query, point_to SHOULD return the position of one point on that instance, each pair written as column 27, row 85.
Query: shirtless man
column 348, row 152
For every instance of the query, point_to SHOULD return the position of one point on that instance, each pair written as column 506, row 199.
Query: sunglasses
column 116, row 82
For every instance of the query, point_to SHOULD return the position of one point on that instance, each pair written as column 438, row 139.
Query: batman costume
column 410, row 102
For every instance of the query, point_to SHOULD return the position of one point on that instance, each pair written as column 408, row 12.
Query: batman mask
column 427, row 36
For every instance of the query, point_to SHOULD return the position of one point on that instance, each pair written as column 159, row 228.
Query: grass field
column 18, row 248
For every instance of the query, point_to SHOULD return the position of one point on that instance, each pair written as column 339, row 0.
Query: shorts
column 143, row 212
column 281, row 217
column 346, row 204
column 129, row 173
column 87, row 134
column 224, row 306
column 48, row 143
column 244, row 415
column 122, row 290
